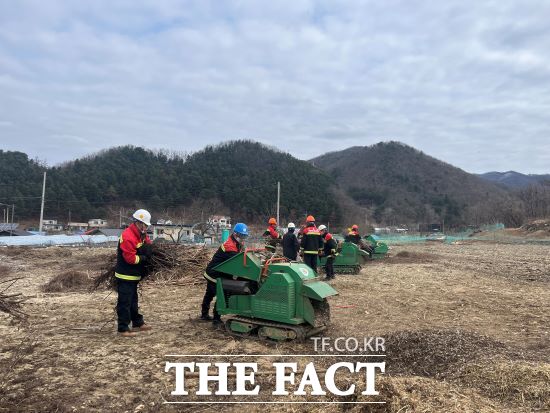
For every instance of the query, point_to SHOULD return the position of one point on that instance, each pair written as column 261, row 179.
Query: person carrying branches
column 134, row 249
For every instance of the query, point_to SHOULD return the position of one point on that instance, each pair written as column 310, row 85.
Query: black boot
column 205, row 317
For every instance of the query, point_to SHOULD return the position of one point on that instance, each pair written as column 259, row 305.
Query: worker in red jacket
column 272, row 236
column 311, row 244
column 133, row 252
column 230, row 248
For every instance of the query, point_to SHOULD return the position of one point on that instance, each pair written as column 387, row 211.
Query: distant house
column 97, row 223
column 427, row 228
column 77, row 226
column 173, row 232
column 108, row 232
column 220, row 222
column 7, row 230
column 52, row 225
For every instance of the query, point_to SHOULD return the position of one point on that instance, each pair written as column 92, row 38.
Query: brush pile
column 67, row 281
column 11, row 303
column 174, row 263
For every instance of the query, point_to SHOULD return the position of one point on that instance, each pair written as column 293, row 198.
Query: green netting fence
column 493, row 232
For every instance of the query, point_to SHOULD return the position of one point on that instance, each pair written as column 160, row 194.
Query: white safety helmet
column 291, row 225
column 142, row 215
column 322, row 227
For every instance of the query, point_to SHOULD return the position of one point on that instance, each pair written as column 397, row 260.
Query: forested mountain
column 20, row 182
column 238, row 177
column 400, row 184
column 515, row 179
column 389, row 183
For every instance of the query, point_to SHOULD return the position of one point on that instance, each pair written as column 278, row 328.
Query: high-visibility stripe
column 209, row 278
column 313, row 233
column 137, row 259
column 223, row 247
column 128, row 277
column 311, row 252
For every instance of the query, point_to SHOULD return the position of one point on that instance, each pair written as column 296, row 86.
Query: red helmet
column 310, row 218
column 355, row 227
column 272, row 221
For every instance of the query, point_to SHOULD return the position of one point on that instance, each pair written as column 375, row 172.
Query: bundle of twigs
column 168, row 263
column 12, row 303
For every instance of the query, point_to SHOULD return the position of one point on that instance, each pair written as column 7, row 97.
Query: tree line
column 238, row 177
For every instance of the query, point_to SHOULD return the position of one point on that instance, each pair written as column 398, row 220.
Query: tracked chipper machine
column 349, row 260
column 272, row 298
column 380, row 249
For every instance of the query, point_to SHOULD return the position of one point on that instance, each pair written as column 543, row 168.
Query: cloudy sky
column 465, row 81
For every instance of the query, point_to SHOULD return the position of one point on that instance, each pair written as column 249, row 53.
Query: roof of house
column 108, row 232
column 8, row 226
column 16, row 232
column 172, row 225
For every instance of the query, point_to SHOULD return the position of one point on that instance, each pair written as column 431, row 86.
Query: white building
column 173, row 232
column 51, row 225
column 77, row 226
column 97, row 223
column 220, row 221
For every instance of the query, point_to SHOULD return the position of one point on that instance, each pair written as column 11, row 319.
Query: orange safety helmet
column 310, row 218
column 354, row 227
column 272, row 221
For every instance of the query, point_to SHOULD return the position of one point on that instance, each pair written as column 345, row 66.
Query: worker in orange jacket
column 272, row 236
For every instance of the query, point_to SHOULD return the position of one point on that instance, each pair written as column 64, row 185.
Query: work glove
column 146, row 250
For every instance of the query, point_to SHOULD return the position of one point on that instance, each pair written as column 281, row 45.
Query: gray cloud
column 467, row 82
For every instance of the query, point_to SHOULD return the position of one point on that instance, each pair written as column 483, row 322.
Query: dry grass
column 36, row 252
column 466, row 331
column 415, row 394
column 68, row 281
column 522, row 383
column 409, row 257
column 4, row 270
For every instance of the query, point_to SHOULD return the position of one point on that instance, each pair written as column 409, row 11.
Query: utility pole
column 12, row 214
column 278, row 200
column 120, row 218
column 42, row 206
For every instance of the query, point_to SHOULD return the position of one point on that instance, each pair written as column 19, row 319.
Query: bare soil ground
column 467, row 329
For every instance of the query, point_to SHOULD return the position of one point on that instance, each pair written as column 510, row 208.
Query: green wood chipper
column 352, row 257
column 349, row 260
column 271, row 298
column 380, row 249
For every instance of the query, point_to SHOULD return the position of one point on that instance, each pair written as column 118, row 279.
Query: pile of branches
column 11, row 303
column 168, row 263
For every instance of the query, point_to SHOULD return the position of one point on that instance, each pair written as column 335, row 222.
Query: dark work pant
column 311, row 261
column 209, row 295
column 329, row 267
column 127, row 305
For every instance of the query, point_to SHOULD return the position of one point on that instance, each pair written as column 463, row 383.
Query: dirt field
column 467, row 329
